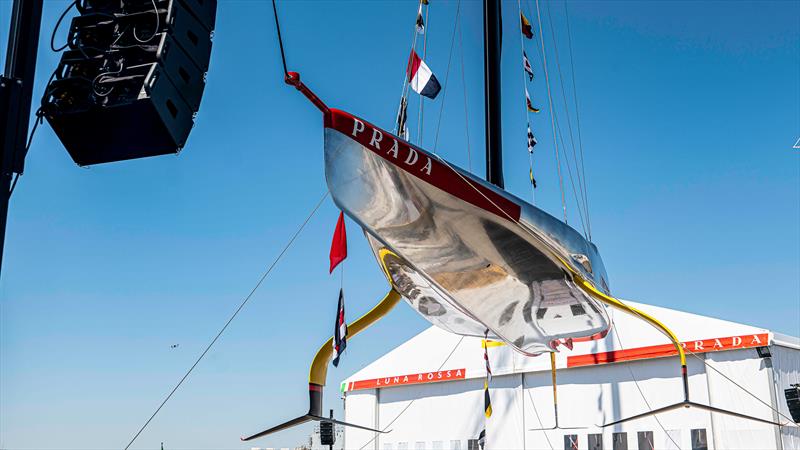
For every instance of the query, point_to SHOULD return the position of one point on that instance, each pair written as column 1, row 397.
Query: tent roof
column 436, row 355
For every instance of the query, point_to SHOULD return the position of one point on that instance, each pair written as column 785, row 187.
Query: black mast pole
column 16, row 91
column 492, row 48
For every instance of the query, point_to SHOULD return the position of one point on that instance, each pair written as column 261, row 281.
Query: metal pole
column 333, row 430
column 16, row 91
column 492, row 48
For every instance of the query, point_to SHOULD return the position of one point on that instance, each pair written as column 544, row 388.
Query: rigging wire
column 552, row 120
column 464, row 85
column 577, row 117
column 446, row 77
column 414, row 400
column 569, row 173
column 791, row 421
column 233, row 316
column 424, row 55
column 541, row 425
column 566, row 109
column 558, row 137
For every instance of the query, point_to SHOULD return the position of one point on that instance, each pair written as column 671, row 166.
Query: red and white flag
column 339, row 244
column 422, row 80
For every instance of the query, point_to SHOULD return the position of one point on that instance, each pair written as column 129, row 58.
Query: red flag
column 339, row 244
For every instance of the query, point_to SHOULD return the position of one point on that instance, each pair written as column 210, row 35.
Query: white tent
column 429, row 391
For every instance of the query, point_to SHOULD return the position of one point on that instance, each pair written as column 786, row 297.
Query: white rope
column 641, row 392
column 569, row 173
column 464, row 85
column 233, row 316
column 446, row 78
column 578, row 119
column 552, row 120
column 541, row 426
column 580, row 175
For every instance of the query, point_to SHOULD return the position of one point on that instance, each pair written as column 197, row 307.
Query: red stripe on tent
column 413, row 65
column 426, row 167
column 415, row 378
column 659, row 351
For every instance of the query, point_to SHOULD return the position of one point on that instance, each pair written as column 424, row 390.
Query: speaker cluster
column 130, row 81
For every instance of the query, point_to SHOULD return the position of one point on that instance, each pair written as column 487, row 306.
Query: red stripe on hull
column 424, row 166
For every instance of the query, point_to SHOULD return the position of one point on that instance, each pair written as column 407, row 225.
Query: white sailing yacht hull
column 466, row 255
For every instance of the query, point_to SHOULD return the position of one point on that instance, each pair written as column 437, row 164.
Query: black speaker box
column 793, row 402
column 133, row 79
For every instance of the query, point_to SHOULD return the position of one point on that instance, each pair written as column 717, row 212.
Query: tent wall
column 753, row 373
column 590, row 396
column 440, row 413
column 786, row 371
column 360, row 409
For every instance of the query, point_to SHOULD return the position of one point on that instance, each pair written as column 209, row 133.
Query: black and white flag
column 531, row 139
column 420, row 22
column 340, row 331
column 527, row 65
column 402, row 117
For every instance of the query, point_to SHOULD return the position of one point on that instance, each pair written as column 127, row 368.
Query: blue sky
column 688, row 114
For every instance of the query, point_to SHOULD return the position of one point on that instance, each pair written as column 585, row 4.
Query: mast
column 492, row 48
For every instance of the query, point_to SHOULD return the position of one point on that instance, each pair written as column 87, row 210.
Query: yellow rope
column 611, row 301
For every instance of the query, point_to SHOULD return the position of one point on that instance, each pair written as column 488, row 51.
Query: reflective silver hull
column 466, row 255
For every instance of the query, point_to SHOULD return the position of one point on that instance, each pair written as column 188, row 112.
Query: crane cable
column 233, row 316
column 280, row 39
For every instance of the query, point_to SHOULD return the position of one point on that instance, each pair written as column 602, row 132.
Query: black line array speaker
column 130, row 83
column 793, row 401
column 326, row 436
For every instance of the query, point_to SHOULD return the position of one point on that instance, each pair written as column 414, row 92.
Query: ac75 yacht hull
column 467, row 256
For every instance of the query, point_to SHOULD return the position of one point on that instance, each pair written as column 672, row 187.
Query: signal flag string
column 233, row 316
column 527, row 111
